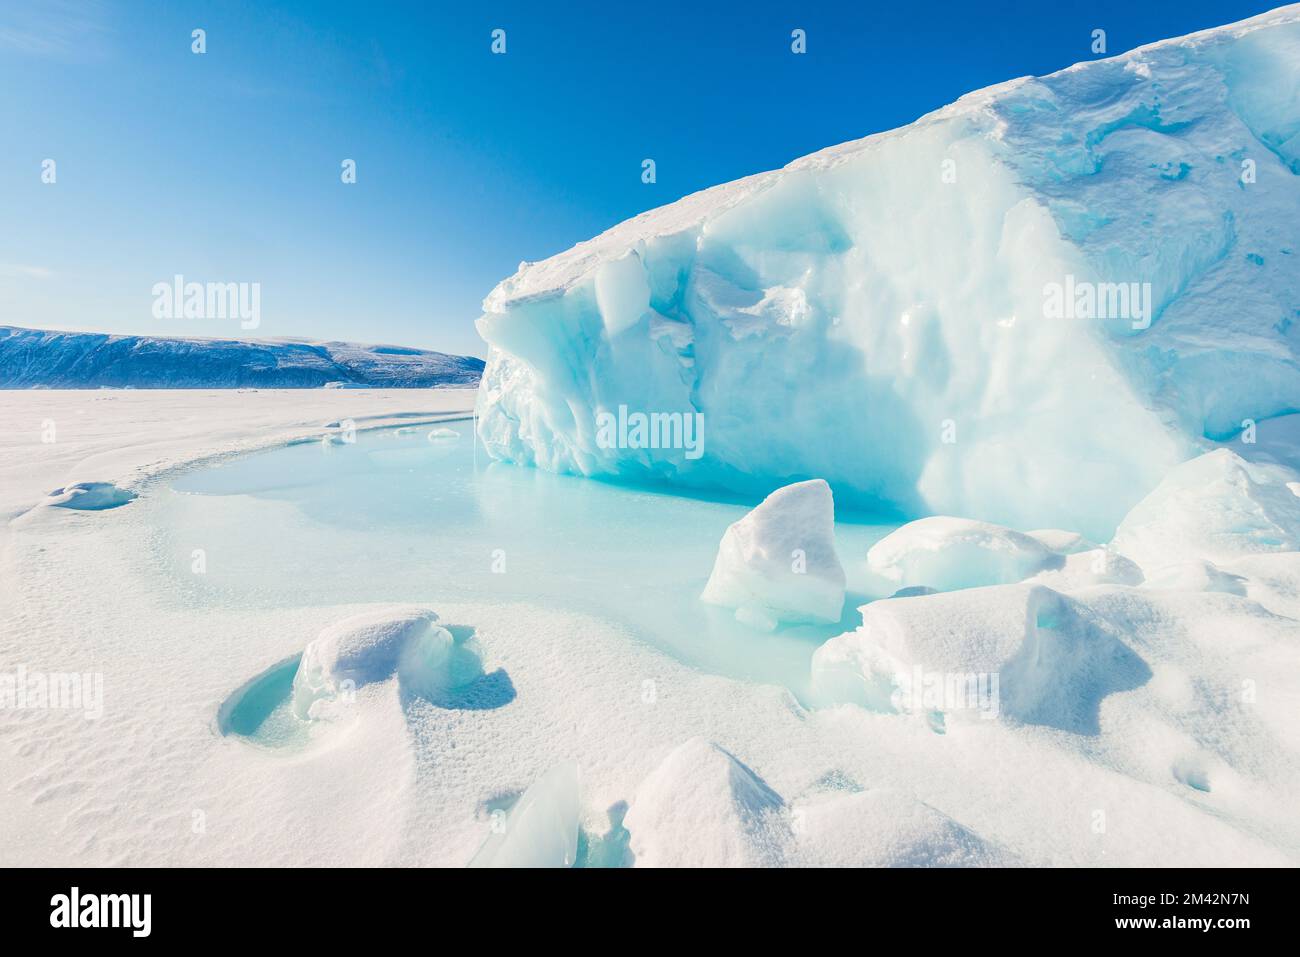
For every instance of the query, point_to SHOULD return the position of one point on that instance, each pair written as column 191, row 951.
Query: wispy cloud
column 62, row 29
column 25, row 272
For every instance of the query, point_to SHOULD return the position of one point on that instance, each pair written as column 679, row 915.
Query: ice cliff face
column 36, row 358
column 907, row 315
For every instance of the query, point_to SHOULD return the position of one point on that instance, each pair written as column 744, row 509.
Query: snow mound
column 89, row 496
column 1062, row 541
column 702, row 808
column 1021, row 651
column 778, row 563
column 880, row 313
column 1216, row 507
column 884, row 827
column 541, row 830
column 1196, row 575
column 403, row 642
column 1096, row 566
column 949, row 553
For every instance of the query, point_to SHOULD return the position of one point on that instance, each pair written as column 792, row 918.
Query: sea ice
column 778, row 563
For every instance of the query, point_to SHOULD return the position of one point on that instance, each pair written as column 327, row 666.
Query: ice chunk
column 541, row 830
column 886, row 828
column 403, row 642
column 949, row 553
column 778, row 563
column 443, row 434
column 702, row 808
column 1023, row 651
column 1216, row 507
column 89, row 496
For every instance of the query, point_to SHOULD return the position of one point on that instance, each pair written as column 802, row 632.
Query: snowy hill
column 1025, row 307
column 34, row 358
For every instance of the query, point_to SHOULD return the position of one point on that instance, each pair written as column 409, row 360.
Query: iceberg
column 1013, row 309
column 778, row 563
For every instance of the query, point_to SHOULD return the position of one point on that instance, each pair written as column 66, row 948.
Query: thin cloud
column 25, row 271
column 61, row 29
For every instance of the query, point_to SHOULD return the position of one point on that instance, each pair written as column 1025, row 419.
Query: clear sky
column 225, row 166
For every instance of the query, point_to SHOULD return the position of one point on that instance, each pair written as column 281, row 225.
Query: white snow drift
column 701, row 807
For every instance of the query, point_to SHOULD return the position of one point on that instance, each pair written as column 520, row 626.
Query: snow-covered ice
column 778, row 563
column 1216, row 507
column 945, row 553
column 406, row 643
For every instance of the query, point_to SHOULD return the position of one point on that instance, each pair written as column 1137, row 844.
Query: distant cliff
column 36, row 358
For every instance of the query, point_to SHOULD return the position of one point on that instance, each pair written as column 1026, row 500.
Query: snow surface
column 855, row 317
column 778, row 563
column 1193, row 764
column 39, row 358
column 59, row 438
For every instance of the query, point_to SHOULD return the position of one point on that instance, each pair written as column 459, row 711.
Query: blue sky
column 225, row 166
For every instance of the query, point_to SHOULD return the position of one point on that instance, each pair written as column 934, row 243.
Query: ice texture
column 403, row 642
column 946, row 553
column 541, row 830
column 875, row 313
column 778, row 563
column 701, row 807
